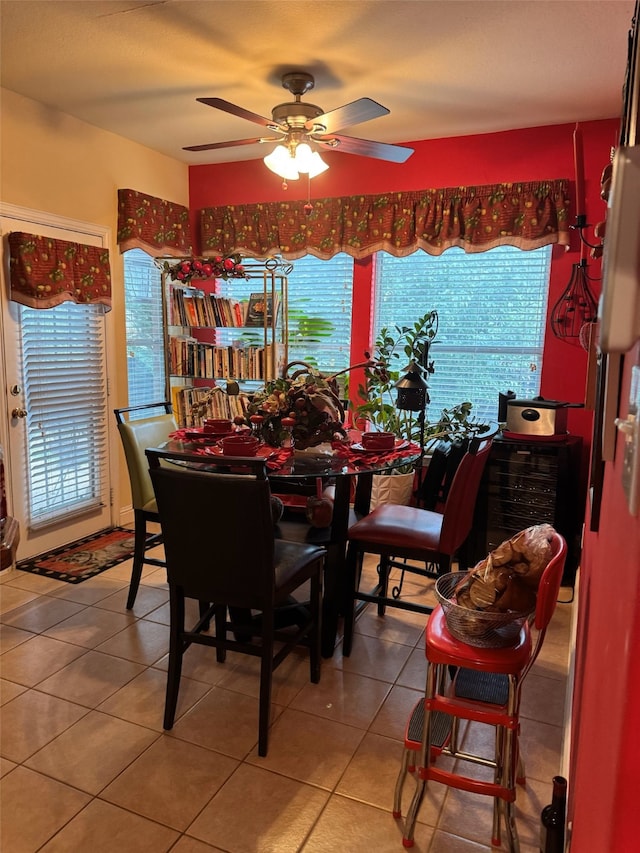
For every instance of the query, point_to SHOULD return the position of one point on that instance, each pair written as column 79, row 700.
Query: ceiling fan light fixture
column 289, row 166
column 308, row 161
column 318, row 165
column 282, row 163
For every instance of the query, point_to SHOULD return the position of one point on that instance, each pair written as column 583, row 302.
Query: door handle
column 18, row 413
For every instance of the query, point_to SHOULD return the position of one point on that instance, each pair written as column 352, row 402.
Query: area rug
column 84, row 558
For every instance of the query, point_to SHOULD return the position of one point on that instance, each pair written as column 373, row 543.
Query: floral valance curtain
column 44, row 272
column 154, row 225
column 526, row 215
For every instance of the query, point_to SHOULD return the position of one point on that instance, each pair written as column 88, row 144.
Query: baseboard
column 126, row 518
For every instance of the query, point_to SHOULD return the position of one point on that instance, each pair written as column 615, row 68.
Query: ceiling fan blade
column 364, row 109
column 367, row 148
column 235, row 110
column 213, row 145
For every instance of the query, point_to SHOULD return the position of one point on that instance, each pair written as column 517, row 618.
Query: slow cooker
column 537, row 417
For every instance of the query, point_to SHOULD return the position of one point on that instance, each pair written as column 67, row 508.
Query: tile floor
column 86, row 766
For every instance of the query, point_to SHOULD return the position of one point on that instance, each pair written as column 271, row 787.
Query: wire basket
column 481, row 628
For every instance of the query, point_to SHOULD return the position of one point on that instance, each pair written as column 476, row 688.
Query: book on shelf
column 201, row 360
column 201, row 311
column 190, row 310
column 238, row 405
column 221, row 311
column 191, row 307
column 206, row 311
column 181, row 355
column 229, row 315
column 262, row 309
column 219, row 404
column 214, row 309
column 178, row 315
column 177, row 402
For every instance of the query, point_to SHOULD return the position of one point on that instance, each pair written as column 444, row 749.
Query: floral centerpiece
column 305, row 406
column 225, row 267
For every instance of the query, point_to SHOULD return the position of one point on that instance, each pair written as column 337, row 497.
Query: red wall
column 518, row 155
column 605, row 772
column 605, row 734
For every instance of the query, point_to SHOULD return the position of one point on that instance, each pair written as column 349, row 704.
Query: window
column 320, row 311
column 145, row 336
column 492, row 311
column 63, row 355
column 319, row 295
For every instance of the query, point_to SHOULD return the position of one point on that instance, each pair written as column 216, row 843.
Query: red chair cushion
column 442, row 648
column 401, row 526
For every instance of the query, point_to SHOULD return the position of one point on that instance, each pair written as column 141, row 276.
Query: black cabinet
column 529, row 482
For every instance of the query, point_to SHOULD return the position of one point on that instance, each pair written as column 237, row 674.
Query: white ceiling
column 443, row 67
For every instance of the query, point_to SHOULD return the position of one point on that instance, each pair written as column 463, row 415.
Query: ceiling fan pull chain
column 308, row 208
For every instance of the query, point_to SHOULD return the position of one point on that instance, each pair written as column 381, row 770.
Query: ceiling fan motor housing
column 298, row 82
column 296, row 115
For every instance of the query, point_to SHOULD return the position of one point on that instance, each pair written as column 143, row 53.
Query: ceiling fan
column 298, row 122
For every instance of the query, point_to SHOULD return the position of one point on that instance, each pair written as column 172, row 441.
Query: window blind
column 63, row 362
column 320, row 299
column 145, row 335
column 492, row 311
column 319, row 295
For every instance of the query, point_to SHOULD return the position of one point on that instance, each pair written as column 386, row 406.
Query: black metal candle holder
column 580, row 226
column 576, row 306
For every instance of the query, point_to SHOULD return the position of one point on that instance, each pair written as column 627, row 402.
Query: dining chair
column 220, row 547
column 433, row 491
column 138, row 434
column 480, row 684
column 444, row 460
column 396, row 532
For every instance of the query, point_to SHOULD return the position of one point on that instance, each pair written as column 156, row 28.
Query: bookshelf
column 230, row 334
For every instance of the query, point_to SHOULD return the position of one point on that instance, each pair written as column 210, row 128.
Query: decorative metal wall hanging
column 576, row 306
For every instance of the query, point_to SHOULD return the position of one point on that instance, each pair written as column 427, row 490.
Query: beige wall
column 54, row 163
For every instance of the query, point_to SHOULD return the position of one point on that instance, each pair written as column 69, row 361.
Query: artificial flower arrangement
column 305, row 406
column 225, row 267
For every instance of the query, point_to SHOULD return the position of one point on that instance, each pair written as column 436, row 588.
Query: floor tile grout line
column 153, row 666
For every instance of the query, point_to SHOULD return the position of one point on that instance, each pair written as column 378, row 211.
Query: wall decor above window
column 156, row 226
column 527, row 215
column 45, row 272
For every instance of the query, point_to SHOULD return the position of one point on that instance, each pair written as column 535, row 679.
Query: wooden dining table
column 294, row 474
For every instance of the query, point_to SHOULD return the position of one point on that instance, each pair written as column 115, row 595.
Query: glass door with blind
column 55, row 431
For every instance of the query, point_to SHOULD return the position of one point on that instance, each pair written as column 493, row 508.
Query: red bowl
column 240, row 445
column 378, row 440
column 217, row 425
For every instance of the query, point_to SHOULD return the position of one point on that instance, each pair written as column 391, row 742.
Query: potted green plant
column 395, row 349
